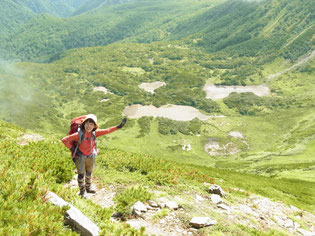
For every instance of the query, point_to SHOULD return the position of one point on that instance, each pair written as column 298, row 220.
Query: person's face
column 89, row 125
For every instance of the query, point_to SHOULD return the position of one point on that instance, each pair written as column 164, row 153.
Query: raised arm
column 67, row 141
column 101, row 132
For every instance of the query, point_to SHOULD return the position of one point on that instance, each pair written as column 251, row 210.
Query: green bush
column 129, row 197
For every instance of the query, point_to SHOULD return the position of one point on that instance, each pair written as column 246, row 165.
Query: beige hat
column 92, row 117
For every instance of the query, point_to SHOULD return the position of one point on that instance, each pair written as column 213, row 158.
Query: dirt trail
column 300, row 62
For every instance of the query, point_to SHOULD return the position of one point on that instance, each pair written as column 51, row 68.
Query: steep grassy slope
column 255, row 28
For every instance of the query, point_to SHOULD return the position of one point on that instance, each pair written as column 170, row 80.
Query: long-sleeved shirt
column 87, row 145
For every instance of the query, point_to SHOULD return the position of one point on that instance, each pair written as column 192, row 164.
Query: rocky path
column 186, row 214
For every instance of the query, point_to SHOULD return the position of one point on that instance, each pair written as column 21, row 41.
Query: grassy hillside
column 29, row 171
column 254, row 28
column 277, row 129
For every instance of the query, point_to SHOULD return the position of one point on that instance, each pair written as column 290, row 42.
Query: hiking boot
column 90, row 190
column 82, row 192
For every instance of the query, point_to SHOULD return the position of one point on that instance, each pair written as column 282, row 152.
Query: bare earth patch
column 214, row 148
column 174, row 112
column 102, row 89
column 150, row 87
column 236, row 134
column 25, row 139
column 217, row 92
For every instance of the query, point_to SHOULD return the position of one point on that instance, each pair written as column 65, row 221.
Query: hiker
column 84, row 155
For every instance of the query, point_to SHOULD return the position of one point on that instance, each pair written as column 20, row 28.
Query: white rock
column 152, row 203
column 199, row 198
column 74, row 217
column 161, row 204
column 279, row 221
column 289, row 223
column 199, row 222
column 216, row 199
column 171, row 205
column 224, row 207
column 216, row 189
column 139, row 206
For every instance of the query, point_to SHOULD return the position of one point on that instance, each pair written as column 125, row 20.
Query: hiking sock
column 88, row 182
column 81, row 181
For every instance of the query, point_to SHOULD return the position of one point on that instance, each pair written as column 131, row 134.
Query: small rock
column 216, row 189
column 224, row 207
column 152, row 203
column 138, row 207
column 279, row 221
column 162, row 221
column 199, row 222
column 216, row 199
column 161, row 204
column 288, row 223
column 199, row 198
column 171, row 205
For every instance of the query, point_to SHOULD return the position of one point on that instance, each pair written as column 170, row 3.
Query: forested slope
column 265, row 28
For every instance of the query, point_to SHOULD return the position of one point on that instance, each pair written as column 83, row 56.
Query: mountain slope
column 61, row 8
column 265, row 28
column 12, row 15
column 254, row 28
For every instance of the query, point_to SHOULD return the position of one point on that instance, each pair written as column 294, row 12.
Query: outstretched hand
column 122, row 123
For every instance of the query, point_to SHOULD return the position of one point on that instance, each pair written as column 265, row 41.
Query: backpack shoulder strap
column 81, row 135
column 94, row 137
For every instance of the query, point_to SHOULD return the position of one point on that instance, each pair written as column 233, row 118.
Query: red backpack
column 75, row 126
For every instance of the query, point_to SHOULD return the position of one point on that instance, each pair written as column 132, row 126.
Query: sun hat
column 92, row 117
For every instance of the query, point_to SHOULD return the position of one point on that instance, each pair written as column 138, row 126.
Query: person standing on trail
column 86, row 151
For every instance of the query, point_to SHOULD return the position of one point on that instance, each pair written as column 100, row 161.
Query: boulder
column 74, row 217
column 199, row 222
column 216, row 189
column 138, row 208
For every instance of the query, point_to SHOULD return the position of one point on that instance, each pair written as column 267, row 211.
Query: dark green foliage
column 251, row 104
column 243, row 102
column 27, row 173
column 144, row 124
column 265, row 29
column 167, row 126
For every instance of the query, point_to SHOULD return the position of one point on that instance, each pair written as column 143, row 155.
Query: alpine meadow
column 219, row 97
